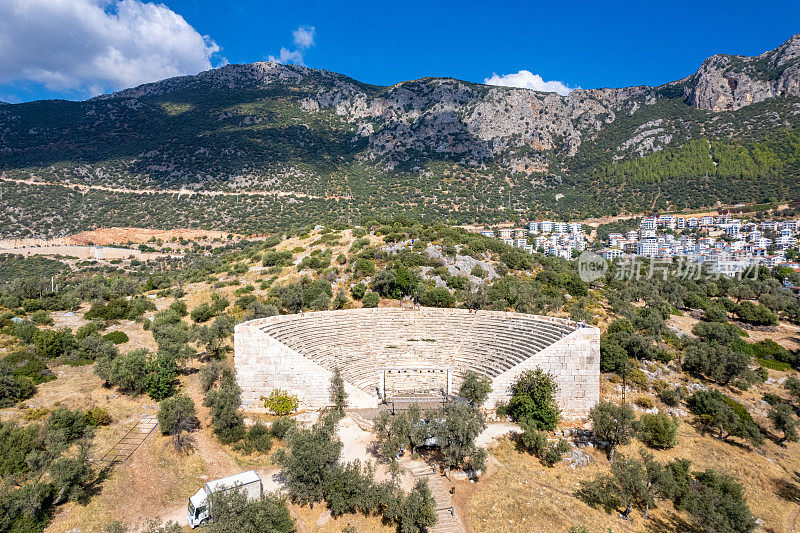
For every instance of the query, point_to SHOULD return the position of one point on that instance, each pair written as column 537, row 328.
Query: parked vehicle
column 199, row 509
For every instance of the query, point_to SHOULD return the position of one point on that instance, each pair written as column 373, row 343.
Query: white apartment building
column 611, row 253
column 648, row 223
column 647, row 247
column 769, row 225
column 733, row 229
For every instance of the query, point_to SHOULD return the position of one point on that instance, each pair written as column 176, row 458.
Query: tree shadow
column 704, row 430
column 669, row 523
column 374, row 449
column 788, row 489
column 96, row 485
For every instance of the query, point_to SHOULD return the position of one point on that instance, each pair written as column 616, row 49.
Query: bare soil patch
column 122, row 235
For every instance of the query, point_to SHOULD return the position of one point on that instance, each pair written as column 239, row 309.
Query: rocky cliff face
column 332, row 148
column 267, row 124
column 474, row 124
column 467, row 122
column 725, row 83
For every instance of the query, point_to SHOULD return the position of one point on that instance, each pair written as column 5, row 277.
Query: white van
column 199, row 508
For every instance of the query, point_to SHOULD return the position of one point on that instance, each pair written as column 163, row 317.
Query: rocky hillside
column 726, row 82
column 324, row 145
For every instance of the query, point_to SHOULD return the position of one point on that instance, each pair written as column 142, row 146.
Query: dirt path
column 179, row 192
column 792, row 520
column 218, row 462
column 495, row 430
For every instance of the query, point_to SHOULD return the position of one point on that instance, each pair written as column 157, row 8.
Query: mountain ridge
column 787, row 54
column 436, row 147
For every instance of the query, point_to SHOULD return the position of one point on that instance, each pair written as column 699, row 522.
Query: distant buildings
column 728, row 245
column 735, row 247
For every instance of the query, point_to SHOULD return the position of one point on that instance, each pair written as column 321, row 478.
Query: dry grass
column 156, row 481
column 77, row 387
column 522, row 495
column 107, row 236
column 784, row 333
column 319, row 520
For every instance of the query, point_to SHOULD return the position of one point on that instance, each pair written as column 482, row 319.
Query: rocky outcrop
column 725, row 82
column 271, row 125
column 474, row 124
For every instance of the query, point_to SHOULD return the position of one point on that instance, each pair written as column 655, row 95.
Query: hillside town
column 726, row 244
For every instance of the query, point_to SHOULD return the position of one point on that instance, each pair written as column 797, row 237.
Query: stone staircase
column 447, row 521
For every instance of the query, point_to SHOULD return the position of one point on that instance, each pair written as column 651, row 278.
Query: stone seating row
column 361, row 343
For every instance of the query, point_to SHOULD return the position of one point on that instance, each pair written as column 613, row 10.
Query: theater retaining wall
column 263, row 363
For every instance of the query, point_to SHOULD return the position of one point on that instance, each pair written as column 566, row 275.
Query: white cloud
column 303, row 40
column 304, row 37
column 525, row 79
column 91, row 46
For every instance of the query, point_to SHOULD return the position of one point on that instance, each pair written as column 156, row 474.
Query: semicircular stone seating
column 363, row 342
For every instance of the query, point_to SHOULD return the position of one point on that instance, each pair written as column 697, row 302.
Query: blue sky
column 77, row 48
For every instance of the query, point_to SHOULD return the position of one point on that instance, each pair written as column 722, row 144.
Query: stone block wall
column 263, row 364
column 574, row 362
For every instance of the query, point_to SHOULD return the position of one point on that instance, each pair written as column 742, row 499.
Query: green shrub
column 645, row 402
column 671, row 397
column 479, row 272
column 258, row 439
column 97, row 416
column 162, row 371
column 358, row 290
column 276, row 258
column 202, row 313
column 535, row 443
column 371, row 299
column 658, row 430
column 41, row 318
column 364, row 267
column 437, row 297
column 85, row 331
column 14, row 388
column 282, row 427
column 52, row 343
column 281, row 402
column 16, row 443
column 63, row 427
column 22, row 363
column 772, row 364
column 756, row 314
column 35, row 413
column 117, row 337
column 533, row 400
